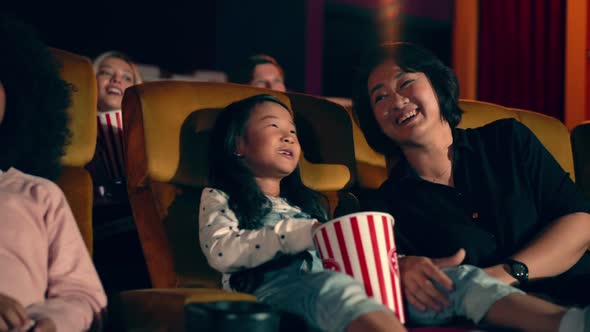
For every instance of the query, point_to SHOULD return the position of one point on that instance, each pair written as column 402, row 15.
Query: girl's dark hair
column 228, row 173
column 410, row 58
column 34, row 131
column 242, row 73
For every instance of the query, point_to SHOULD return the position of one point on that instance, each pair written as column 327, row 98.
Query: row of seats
column 372, row 167
column 154, row 73
column 166, row 137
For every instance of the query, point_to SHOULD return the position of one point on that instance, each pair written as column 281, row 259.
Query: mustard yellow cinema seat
column 166, row 136
column 371, row 165
column 75, row 180
column 328, row 163
column 551, row 132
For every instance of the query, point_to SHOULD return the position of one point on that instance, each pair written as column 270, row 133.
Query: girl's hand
column 418, row 274
column 12, row 314
column 315, row 226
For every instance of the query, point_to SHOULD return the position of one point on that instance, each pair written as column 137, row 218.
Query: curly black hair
column 34, row 131
column 229, row 174
column 410, row 58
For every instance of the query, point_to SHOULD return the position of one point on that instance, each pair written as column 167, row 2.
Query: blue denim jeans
column 473, row 295
column 327, row 300
column 330, row 301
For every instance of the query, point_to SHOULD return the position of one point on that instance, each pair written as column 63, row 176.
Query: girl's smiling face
column 269, row 146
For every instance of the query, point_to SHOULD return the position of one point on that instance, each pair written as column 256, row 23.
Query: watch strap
column 518, row 270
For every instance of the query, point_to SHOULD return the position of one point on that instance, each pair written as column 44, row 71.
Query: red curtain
column 521, row 54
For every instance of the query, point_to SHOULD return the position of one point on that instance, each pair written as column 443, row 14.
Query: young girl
column 256, row 227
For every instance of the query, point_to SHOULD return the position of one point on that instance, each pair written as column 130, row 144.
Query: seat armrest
column 162, row 309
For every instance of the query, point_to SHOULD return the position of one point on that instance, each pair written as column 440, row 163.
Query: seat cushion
column 77, row 71
column 76, row 184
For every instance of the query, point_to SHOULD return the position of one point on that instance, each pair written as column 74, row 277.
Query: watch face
column 519, row 271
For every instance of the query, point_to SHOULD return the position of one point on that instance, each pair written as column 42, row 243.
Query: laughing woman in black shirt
column 493, row 191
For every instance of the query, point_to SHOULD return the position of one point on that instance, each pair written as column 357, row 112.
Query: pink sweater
column 44, row 263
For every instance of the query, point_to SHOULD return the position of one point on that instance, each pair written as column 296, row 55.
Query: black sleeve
column 375, row 201
column 555, row 193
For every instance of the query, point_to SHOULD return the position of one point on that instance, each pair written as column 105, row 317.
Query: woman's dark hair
column 227, row 171
column 34, row 131
column 242, row 73
column 410, row 58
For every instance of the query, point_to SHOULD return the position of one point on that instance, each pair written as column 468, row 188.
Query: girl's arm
column 229, row 248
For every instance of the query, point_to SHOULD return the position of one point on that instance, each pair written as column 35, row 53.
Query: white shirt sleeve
column 229, row 249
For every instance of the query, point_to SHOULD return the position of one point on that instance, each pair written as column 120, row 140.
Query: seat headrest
column 172, row 119
column 77, row 71
column 550, row 131
column 167, row 127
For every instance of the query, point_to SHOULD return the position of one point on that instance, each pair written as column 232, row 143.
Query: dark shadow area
column 117, row 253
column 119, row 259
column 350, row 30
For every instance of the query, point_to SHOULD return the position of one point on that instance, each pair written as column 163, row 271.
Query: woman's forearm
column 555, row 250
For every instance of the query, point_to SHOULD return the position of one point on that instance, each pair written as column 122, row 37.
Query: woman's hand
column 12, row 314
column 45, row 325
column 418, row 274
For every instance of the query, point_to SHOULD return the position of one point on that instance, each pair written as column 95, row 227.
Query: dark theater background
column 316, row 41
column 525, row 54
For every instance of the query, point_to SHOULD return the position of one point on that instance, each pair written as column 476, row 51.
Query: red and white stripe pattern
column 362, row 245
column 110, row 134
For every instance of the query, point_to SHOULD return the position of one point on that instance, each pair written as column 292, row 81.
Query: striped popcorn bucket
column 110, row 133
column 362, row 245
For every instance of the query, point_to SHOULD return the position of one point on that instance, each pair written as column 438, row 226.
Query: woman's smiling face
column 114, row 76
column 403, row 103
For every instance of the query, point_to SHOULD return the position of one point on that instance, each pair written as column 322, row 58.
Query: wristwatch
column 518, row 270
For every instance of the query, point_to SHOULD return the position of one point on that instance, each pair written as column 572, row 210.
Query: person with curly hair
column 47, row 279
column 39, row 128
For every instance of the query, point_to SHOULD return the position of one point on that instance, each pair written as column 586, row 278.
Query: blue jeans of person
column 327, row 300
column 472, row 297
column 330, row 301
